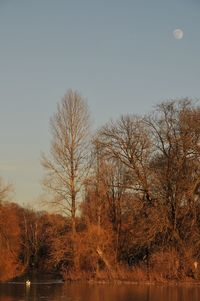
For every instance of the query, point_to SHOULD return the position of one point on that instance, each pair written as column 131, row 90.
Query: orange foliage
column 9, row 241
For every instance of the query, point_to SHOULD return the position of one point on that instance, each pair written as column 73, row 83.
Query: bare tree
column 5, row 190
column 127, row 141
column 66, row 166
column 175, row 133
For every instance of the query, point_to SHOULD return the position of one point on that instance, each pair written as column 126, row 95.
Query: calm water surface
column 93, row 292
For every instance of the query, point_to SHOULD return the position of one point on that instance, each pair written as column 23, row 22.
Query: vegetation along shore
column 126, row 199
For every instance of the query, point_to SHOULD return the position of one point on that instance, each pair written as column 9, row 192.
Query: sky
column 121, row 56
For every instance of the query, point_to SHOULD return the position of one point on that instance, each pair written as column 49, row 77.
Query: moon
column 178, row 34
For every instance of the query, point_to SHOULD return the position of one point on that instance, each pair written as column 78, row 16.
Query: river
column 57, row 291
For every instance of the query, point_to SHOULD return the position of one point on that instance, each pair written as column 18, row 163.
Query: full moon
column 178, row 33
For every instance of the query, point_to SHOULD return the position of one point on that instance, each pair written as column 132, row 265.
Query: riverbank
column 135, row 276
column 37, row 277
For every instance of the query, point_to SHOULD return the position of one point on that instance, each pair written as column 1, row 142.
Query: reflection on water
column 94, row 292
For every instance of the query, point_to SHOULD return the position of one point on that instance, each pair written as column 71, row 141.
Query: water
column 55, row 291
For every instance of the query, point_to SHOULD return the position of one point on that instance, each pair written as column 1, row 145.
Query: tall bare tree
column 175, row 133
column 66, row 165
column 5, row 190
column 127, row 141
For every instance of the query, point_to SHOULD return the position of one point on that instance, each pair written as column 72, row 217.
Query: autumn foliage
column 10, row 265
column 133, row 213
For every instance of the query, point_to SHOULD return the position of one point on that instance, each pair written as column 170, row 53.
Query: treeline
column 129, row 197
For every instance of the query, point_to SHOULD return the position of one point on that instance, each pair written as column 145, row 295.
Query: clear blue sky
column 121, row 56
